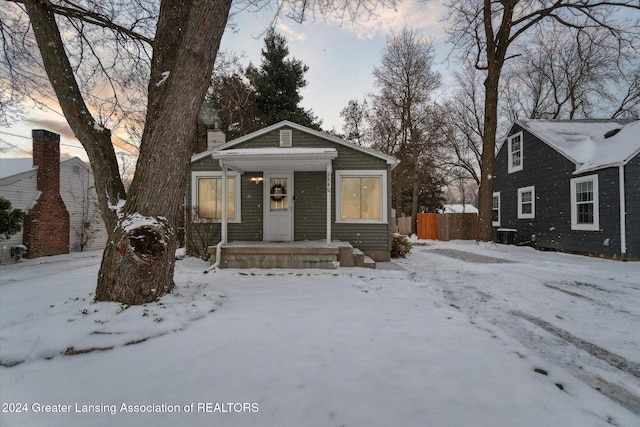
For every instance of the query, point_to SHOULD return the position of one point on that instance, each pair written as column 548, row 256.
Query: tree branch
column 78, row 12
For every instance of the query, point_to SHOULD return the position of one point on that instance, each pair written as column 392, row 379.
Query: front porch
column 302, row 254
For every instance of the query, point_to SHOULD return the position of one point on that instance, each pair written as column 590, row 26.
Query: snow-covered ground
column 465, row 334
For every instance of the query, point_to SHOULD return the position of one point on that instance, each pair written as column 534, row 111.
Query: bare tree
column 95, row 56
column 561, row 75
column 485, row 32
column 127, row 163
column 232, row 98
column 464, row 112
column 355, row 116
column 629, row 88
column 403, row 105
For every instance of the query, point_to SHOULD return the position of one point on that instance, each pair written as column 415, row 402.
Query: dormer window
column 286, row 138
column 514, row 145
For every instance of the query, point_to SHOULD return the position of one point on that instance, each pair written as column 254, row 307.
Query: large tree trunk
column 137, row 267
column 95, row 139
column 496, row 49
column 415, row 177
column 487, row 165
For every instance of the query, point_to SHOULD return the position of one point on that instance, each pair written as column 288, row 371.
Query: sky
column 340, row 57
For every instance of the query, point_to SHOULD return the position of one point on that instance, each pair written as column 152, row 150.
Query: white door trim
column 278, row 224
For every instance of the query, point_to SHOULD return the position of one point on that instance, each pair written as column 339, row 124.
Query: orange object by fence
column 428, row 226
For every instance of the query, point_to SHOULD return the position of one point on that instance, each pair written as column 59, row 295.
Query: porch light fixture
column 256, row 179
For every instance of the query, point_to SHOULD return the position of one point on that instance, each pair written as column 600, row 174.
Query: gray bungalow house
column 294, row 197
column 570, row 185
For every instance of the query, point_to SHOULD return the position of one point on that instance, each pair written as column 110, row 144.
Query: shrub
column 10, row 219
column 400, row 246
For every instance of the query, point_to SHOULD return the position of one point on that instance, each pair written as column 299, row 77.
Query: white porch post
column 224, row 203
column 329, row 203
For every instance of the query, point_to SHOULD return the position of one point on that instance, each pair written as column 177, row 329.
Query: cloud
column 290, row 33
column 58, row 126
column 426, row 17
column 62, row 128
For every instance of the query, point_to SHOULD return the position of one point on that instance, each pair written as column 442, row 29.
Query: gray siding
column 606, row 241
column 369, row 238
column 550, row 173
column 632, row 204
column 310, row 218
column 250, row 229
column 310, row 197
column 206, row 164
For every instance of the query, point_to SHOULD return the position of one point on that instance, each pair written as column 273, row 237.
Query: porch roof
column 276, row 159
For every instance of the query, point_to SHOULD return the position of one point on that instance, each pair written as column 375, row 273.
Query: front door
column 278, row 207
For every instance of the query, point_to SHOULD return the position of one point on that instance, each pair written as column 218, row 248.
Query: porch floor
column 302, row 254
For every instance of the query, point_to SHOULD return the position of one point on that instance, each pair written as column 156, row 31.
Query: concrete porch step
column 368, row 263
column 291, row 255
column 361, row 260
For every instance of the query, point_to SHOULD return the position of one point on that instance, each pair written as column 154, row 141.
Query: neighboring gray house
column 24, row 184
column 289, row 183
column 570, row 185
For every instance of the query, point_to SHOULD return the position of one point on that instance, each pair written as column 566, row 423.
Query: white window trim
column 496, row 223
column 361, row 173
column 215, row 174
column 522, row 215
column 510, row 154
column 574, row 211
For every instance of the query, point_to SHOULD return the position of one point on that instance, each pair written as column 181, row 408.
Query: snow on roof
column 459, row 208
column 275, row 151
column 584, row 142
column 390, row 160
column 615, row 150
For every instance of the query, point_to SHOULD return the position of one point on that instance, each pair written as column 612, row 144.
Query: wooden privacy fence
column 462, row 226
column 449, row 226
column 404, row 225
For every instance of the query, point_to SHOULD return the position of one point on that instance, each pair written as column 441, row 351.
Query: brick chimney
column 215, row 138
column 46, row 226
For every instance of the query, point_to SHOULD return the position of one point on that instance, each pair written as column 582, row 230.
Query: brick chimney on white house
column 46, row 226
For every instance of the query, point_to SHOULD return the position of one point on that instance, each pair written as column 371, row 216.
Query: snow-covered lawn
column 465, row 334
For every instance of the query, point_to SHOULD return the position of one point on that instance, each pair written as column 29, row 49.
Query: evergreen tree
column 277, row 84
column 10, row 219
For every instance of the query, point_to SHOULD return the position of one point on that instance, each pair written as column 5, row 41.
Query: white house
column 19, row 184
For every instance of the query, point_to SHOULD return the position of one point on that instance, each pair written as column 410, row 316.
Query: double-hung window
column 514, row 145
column 206, row 196
column 361, row 196
column 584, row 203
column 495, row 211
column 526, row 203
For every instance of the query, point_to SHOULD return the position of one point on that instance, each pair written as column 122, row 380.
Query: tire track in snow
column 613, row 391
column 611, row 358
